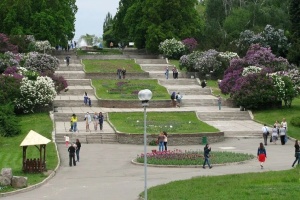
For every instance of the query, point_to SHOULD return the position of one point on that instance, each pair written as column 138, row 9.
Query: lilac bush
column 40, row 62
column 172, row 48
column 9, row 59
column 208, row 62
column 5, row 44
column 190, row 43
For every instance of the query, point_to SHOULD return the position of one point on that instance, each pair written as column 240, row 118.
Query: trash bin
column 204, row 140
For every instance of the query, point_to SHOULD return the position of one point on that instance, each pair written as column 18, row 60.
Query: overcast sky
column 91, row 14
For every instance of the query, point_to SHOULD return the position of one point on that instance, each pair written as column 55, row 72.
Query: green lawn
column 128, row 89
column 171, row 122
column 213, row 84
column 100, row 52
column 175, row 62
column 252, row 186
column 111, row 66
column 11, row 152
column 270, row 116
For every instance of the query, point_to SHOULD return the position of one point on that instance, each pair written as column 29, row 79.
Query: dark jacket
column 78, row 144
column 297, row 148
column 71, row 150
column 101, row 118
column 261, row 151
column 206, row 152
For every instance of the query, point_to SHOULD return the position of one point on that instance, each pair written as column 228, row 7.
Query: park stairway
column 228, row 120
column 72, row 100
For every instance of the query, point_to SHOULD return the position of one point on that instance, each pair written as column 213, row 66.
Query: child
column 90, row 102
column 67, row 139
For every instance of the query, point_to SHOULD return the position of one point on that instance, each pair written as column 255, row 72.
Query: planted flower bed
column 179, row 157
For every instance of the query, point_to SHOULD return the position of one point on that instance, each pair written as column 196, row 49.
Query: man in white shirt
column 265, row 131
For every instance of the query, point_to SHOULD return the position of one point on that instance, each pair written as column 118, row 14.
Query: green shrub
column 295, row 121
column 9, row 125
column 153, row 143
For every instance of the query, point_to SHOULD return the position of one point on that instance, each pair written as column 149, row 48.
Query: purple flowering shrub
column 14, row 72
column 190, row 43
column 60, row 82
column 41, row 62
column 254, row 91
column 5, row 44
column 9, row 59
column 229, row 80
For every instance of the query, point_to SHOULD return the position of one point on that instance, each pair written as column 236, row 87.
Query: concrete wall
column 173, row 139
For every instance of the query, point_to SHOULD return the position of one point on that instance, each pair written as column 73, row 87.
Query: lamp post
column 145, row 96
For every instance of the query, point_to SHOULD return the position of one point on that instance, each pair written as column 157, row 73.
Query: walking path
column 105, row 170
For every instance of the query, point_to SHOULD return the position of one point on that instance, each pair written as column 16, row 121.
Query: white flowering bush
column 42, row 46
column 279, row 85
column 189, row 61
column 172, row 48
column 35, row 93
column 40, row 62
column 228, row 55
column 251, row 70
column 208, row 62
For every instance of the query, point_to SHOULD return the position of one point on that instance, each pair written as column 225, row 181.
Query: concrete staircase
column 73, row 97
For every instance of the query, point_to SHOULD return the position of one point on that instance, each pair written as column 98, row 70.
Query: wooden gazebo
column 34, row 165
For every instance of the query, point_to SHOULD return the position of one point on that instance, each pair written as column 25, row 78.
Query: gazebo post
column 45, row 157
column 24, row 158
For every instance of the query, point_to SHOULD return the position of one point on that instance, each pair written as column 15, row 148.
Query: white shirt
column 265, row 129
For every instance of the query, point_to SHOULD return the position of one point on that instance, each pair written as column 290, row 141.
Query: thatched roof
column 33, row 138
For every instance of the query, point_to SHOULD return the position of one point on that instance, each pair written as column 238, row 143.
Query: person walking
column 285, row 126
column 68, row 60
column 88, row 120
column 101, row 119
column 167, row 73
column 71, row 151
column 160, row 139
column 119, row 73
column 78, row 146
column 282, row 133
column 297, row 153
column 165, row 140
column 265, row 131
column 123, row 72
column 173, row 99
column 274, row 134
column 85, row 98
column 74, row 122
column 178, row 99
column 207, row 150
column 90, row 102
column 261, row 155
column 219, row 102
column 95, row 121
column 67, row 139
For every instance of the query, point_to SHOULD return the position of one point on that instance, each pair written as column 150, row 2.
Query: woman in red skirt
column 261, row 154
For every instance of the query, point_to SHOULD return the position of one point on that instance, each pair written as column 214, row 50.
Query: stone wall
column 133, row 103
column 129, row 75
column 173, row 139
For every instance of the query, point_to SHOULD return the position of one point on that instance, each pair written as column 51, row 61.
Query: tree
column 294, row 11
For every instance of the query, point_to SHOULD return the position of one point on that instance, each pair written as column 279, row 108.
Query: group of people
column 176, row 99
column 121, row 73
column 174, row 70
column 87, row 100
column 74, row 149
column 162, row 141
column 96, row 119
column 279, row 130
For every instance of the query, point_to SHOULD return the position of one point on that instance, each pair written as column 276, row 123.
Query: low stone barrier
column 107, row 103
column 7, row 179
column 173, row 139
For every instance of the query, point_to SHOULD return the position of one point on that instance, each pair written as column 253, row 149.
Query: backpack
column 173, row 95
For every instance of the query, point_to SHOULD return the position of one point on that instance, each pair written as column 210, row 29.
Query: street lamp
column 145, row 96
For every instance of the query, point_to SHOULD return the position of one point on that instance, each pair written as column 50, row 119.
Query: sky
column 91, row 14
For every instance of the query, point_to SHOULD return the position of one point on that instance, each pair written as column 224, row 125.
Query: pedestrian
column 88, row 120
column 173, row 70
column 101, row 119
column 277, row 124
column 71, row 126
column 274, row 134
column 123, row 72
column 203, row 84
column 68, row 60
column 160, row 139
column 67, row 139
column 285, row 126
column 111, row 45
column 78, row 146
column 75, row 44
column 261, row 155
column 178, row 99
column 85, row 98
column 297, row 153
column 266, row 132
column 74, row 121
column 282, row 133
column 219, row 102
column 167, row 73
column 71, row 151
column 207, row 150
column 165, row 140
column 173, row 99
column 119, row 73
column 90, row 102
column 96, row 121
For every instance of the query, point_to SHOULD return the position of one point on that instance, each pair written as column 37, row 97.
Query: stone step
column 82, row 82
column 71, row 61
column 151, row 61
column 102, row 138
column 71, row 74
column 183, row 81
column 141, row 56
column 98, row 138
column 188, row 90
column 198, row 102
column 161, row 75
column 223, row 116
column 78, row 90
column 72, row 101
column 243, row 134
column 58, row 53
column 156, row 67
column 71, row 67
